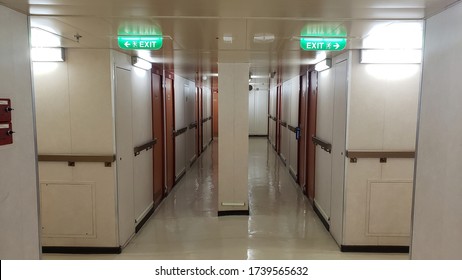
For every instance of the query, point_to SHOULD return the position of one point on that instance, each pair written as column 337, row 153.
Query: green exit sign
column 323, row 44
column 140, row 42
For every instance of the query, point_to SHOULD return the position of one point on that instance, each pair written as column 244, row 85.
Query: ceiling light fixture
column 141, row 63
column 323, row 65
column 260, row 76
column 228, row 38
column 47, row 54
column 263, row 38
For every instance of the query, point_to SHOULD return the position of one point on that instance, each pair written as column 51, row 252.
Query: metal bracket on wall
column 146, row 147
column 324, row 145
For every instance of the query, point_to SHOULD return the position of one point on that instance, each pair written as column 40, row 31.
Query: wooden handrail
column 321, row 143
column 180, row 131
column 72, row 159
column 147, row 146
column 382, row 155
column 192, row 125
column 291, row 128
column 207, row 119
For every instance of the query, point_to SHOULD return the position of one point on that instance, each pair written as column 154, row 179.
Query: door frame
column 160, row 138
column 311, row 131
column 302, row 124
column 169, row 135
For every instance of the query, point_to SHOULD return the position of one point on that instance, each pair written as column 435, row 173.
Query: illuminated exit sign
column 140, row 42
column 322, row 44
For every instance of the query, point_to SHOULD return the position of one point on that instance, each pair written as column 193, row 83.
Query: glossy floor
column 282, row 224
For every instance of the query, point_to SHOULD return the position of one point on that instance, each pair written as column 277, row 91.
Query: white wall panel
column 233, row 145
column 68, row 210
column 190, row 102
column 382, row 116
column 181, row 86
column 294, row 101
column 252, row 121
column 141, row 129
column 338, row 149
column 323, row 182
column 284, row 144
column 325, row 105
column 81, row 91
column 19, row 237
column 388, row 208
column 180, row 155
column 190, row 118
column 261, row 114
column 142, row 185
column 324, row 122
column 90, row 101
column 273, row 98
column 51, row 100
column 125, row 157
column 142, row 107
column 289, row 114
column 62, row 92
column 103, row 180
column 285, row 100
column 184, row 116
column 142, row 134
column 383, row 96
column 438, row 193
column 190, row 147
column 293, row 152
column 258, row 112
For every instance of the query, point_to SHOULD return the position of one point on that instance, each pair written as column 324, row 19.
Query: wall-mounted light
column 323, row 65
column 260, row 76
column 409, row 56
column 141, row 63
column 47, row 54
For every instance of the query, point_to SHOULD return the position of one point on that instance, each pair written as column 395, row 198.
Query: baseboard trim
column 234, row 213
column 191, row 162
column 144, row 220
column 258, row 136
column 374, row 249
column 81, row 250
column 321, row 217
column 178, row 179
column 294, row 176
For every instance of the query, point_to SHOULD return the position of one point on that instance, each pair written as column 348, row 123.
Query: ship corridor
column 282, row 224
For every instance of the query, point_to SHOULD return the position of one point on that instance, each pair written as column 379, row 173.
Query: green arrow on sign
column 323, row 44
column 140, row 42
